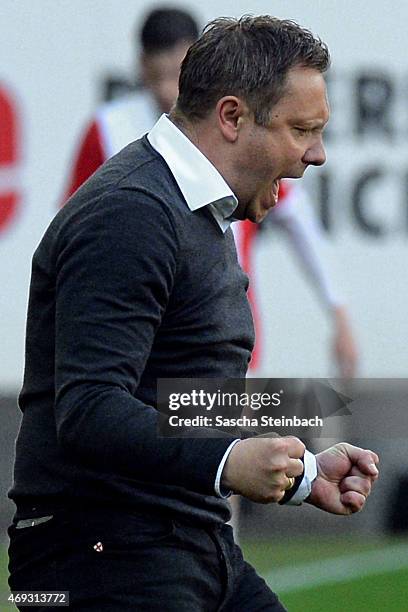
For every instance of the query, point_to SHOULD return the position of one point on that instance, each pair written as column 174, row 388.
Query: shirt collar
column 199, row 181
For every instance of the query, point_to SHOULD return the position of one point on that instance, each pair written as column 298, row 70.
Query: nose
column 315, row 155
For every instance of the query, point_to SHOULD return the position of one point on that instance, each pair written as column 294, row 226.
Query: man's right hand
column 258, row 468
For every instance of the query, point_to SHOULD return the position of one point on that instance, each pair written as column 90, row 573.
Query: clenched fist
column 258, row 468
column 345, row 475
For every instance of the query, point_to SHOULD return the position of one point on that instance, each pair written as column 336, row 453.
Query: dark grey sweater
column 128, row 285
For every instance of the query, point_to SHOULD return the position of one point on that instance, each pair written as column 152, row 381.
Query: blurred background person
column 165, row 35
column 294, row 215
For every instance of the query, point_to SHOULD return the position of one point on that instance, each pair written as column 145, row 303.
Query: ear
column 231, row 111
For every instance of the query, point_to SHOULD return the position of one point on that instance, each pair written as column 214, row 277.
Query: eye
column 301, row 130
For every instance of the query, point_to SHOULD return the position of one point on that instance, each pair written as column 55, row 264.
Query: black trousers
column 111, row 562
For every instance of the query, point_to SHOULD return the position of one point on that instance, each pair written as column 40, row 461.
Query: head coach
column 135, row 279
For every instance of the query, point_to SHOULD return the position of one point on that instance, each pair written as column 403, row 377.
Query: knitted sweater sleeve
column 115, row 269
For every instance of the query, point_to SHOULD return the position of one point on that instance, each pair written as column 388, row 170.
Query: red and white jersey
column 119, row 122
column 115, row 125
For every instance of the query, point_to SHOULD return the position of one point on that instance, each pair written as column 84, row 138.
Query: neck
column 186, row 126
column 209, row 141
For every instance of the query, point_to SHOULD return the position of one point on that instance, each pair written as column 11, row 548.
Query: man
column 165, row 37
column 137, row 278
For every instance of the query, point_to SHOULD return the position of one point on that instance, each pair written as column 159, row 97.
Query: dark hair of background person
column 164, row 27
column 248, row 57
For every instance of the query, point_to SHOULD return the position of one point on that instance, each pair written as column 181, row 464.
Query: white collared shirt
column 202, row 185
column 199, row 181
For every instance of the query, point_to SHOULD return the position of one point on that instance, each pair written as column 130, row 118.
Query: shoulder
column 111, row 222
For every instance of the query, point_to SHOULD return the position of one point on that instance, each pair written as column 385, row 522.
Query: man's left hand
column 345, row 475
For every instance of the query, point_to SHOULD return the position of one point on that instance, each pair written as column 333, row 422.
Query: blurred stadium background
column 59, row 60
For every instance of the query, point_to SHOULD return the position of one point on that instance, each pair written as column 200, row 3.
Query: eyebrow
column 311, row 124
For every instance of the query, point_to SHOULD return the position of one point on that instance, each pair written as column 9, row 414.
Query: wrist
column 309, row 477
column 227, row 480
